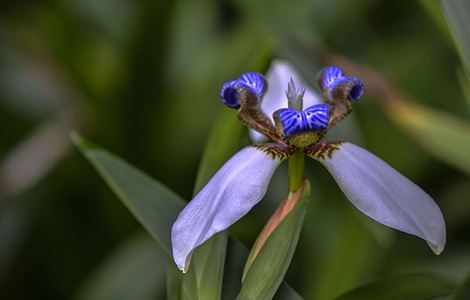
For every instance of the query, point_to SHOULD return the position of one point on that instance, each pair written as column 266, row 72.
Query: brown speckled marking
column 324, row 150
column 278, row 151
column 342, row 91
column 339, row 111
column 251, row 115
column 340, row 106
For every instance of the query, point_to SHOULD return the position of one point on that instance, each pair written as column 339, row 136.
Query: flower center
column 302, row 128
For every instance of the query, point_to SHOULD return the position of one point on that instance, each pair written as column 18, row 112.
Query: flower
column 369, row 183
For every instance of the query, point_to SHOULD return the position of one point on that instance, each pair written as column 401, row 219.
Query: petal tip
column 437, row 248
column 182, row 261
column 385, row 195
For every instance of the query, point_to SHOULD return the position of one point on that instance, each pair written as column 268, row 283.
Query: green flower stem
column 296, row 171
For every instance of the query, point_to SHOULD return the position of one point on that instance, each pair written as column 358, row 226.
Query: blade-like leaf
column 154, row 205
column 283, row 210
column 271, row 262
column 410, row 286
column 236, row 258
column 435, row 12
column 180, row 286
column 456, row 12
column 464, row 81
column 443, row 135
column 208, row 263
column 135, row 271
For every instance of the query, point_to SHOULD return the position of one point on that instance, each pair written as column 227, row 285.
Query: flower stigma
column 295, row 95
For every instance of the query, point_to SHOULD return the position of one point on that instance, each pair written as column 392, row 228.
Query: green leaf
column 208, row 263
column 456, row 12
column 153, row 204
column 409, row 286
column 463, row 291
column 443, row 135
column 180, row 286
column 271, row 262
column 173, row 282
column 136, row 270
column 236, row 257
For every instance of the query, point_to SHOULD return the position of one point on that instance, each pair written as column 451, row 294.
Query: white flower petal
column 385, row 195
column 278, row 76
column 239, row 185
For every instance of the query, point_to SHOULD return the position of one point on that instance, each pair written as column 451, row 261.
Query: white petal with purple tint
column 238, row 186
column 278, row 76
column 385, row 195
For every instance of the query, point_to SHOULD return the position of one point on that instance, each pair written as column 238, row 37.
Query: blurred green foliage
column 141, row 78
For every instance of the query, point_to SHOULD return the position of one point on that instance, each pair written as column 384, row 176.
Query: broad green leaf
column 153, row 204
column 136, row 270
column 410, row 286
column 270, row 264
column 463, row 291
column 443, row 135
column 456, row 12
